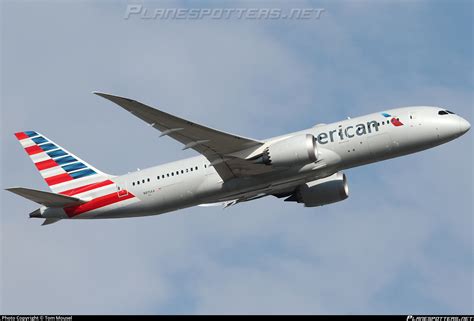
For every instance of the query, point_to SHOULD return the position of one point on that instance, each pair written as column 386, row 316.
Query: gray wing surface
column 215, row 145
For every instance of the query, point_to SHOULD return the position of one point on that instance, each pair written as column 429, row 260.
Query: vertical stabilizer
column 62, row 171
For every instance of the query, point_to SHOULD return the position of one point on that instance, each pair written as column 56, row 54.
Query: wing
column 215, row 145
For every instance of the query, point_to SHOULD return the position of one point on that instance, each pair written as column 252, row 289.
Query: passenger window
column 133, row 183
column 187, row 170
column 158, row 177
column 182, row 172
column 138, row 182
column 191, row 169
column 148, row 180
column 177, row 172
column 168, row 175
column 196, row 168
column 163, row 176
column 143, row 181
column 172, row 173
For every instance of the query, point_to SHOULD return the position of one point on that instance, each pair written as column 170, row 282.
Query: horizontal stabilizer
column 50, row 221
column 46, row 198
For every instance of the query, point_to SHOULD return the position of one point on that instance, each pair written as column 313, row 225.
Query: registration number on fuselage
column 149, row 192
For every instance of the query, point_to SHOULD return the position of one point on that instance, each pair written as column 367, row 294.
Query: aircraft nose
column 464, row 126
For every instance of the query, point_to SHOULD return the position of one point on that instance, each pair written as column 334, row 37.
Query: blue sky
column 401, row 243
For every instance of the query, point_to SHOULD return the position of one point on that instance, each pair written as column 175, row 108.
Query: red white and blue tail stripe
column 64, row 172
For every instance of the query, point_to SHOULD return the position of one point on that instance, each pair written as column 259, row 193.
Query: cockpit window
column 450, row 112
column 442, row 112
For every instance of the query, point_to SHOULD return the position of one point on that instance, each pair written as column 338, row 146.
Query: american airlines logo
column 361, row 129
column 395, row 121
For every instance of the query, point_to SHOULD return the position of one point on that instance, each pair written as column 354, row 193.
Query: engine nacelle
column 322, row 191
column 300, row 149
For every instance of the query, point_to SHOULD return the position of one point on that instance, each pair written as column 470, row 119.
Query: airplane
column 304, row 167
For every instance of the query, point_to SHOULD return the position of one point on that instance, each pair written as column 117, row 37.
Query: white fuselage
column 341, row 145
